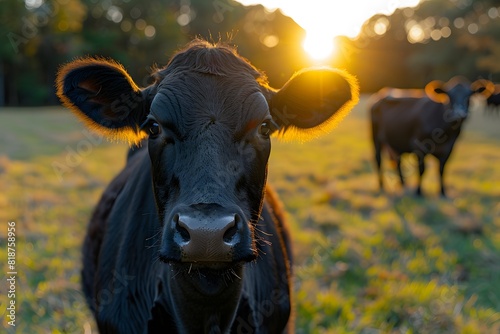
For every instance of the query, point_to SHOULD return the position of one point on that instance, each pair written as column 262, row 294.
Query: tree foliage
column 436, row 40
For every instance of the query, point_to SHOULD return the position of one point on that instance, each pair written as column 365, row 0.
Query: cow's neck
column 198, row 312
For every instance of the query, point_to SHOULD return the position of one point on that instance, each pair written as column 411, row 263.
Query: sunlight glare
column 323, row 20
column 317, row 46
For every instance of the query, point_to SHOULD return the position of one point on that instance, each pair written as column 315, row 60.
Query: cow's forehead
column 460, row 91
column 192, row 100
column 195, row 86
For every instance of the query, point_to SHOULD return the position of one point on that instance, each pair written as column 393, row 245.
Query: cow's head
column 456, row 94
column 208, row 118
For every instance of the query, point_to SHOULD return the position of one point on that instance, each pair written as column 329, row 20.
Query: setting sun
column 323, row 20
column 317, row 46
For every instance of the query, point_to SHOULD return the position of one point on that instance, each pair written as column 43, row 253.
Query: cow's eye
column 265, row 129
column 153, row 129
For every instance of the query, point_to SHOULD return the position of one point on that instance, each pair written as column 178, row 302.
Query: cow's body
column 188, row 238
column 129, row 286
column 411, row 122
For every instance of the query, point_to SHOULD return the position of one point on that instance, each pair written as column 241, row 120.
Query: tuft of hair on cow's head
column 104, row 97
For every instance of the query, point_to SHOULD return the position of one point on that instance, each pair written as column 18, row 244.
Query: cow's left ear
column 483, row 87
column 104, row 97
column 312, row 102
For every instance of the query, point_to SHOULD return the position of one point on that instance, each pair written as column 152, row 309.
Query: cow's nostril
column 230, row 233
column 232, row 229
column 184, row 233
column 181, row 229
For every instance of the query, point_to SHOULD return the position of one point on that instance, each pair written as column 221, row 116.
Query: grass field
column 365, row 262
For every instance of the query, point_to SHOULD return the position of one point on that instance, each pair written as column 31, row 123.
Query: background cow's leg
column 399, row 172
column 421, row 170
column 377, row 145
column 442, row 163
column 378, row 161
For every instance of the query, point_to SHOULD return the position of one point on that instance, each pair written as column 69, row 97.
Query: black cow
column 493, row 101
column 187, row 238
column 410, row 121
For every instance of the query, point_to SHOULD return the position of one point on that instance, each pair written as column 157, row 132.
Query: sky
column 325, row 19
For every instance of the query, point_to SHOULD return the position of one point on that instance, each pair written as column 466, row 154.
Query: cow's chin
column 209, row 279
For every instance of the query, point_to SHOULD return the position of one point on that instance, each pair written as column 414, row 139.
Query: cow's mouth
column 209, row 278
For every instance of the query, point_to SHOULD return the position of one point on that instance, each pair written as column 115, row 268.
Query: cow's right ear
column 104, row 97
column 312, row 102
column 436, row 92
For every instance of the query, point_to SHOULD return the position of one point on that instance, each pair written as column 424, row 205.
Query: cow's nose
column 211, row 234
column 207, row 239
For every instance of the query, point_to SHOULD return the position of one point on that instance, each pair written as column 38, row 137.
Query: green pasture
column 365, row 261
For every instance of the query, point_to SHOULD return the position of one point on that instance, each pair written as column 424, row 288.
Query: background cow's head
column 208, row 118
column 456, row 94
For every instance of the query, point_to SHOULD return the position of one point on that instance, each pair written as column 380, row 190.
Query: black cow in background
column 414, row 121
column 188, row 238
column 493, row 101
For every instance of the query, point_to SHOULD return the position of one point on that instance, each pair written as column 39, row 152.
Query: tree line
column 436, row 40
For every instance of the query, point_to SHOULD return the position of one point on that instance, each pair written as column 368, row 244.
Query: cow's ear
column 104, row 97
column 312, row 102
column 436, row 92
column 483, row 87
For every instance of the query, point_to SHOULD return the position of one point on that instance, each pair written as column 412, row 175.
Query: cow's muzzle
column 206, row 234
